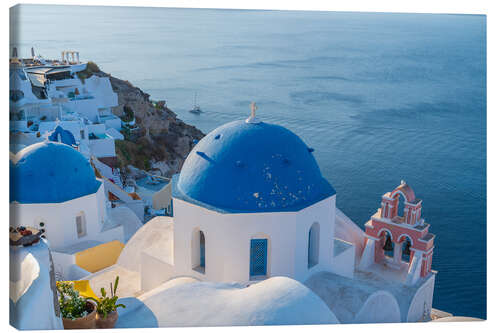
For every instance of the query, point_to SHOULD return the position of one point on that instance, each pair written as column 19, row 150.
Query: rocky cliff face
column 161, row 141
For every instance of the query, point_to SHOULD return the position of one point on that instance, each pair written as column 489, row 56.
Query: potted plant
column 106, row 307
column 77, row 311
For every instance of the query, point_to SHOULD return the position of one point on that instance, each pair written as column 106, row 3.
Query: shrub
column 129, row 114
column 147, row 164
column 72, row 305
column 88, row 71
column 92, row 67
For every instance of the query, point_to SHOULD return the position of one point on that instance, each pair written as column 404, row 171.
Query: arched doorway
column 313, row 245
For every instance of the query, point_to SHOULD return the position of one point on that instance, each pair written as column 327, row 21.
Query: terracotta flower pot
column 108, row 322
column 87, row 322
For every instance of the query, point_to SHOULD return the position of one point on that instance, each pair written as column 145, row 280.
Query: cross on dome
column 253, row 118
column 253, row 107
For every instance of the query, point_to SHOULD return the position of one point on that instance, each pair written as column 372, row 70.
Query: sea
column 381, row 97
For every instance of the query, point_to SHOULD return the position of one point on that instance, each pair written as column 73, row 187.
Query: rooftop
column 275, row 301
column 345, row 296
column 245, row 167
column 50, row 172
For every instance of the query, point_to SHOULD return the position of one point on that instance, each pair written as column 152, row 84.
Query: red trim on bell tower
column 410, row 227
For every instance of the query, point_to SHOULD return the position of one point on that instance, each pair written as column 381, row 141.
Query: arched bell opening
column 406, row 249
column 387, row 244
column 401, row 206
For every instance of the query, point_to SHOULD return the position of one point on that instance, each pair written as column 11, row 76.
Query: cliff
column 161, row 141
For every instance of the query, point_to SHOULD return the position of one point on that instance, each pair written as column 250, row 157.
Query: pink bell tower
column 397, row 235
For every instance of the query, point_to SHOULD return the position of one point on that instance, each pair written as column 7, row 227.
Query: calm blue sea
column 381, row 97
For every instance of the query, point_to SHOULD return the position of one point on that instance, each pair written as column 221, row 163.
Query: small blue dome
column 62, row 135
column 241, row 167
column 50, row 172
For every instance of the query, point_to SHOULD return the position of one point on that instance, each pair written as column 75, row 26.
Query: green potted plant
column 106, row 307
column 77, row 311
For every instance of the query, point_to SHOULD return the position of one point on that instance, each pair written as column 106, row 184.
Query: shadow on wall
column 142, row 316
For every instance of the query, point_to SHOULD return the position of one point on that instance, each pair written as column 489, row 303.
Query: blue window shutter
column 202, row 249
column 258, row 257
column 202, row 255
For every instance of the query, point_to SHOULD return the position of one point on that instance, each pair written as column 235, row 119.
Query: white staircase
column 116, row 178
column 414, row 269
column 108, row 172
column 368, row 256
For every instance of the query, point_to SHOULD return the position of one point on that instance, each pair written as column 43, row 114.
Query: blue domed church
column 249, row 203
column 54, row 188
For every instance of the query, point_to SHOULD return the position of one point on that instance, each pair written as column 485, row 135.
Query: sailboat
column 196, row 108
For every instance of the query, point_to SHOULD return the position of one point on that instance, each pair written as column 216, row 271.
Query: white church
column 53, row 188
column 255, row 233
column 250, row 203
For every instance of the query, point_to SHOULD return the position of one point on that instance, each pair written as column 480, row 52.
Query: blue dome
column 241, row 167
column 50, row 172
column 62, row 135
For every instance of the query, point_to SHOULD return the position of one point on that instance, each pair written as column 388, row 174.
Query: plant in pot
column 77, row 311
column 106, row 307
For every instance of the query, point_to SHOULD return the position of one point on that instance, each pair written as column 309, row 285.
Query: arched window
column 198, row 251
column 81, row 225
column 313, row 245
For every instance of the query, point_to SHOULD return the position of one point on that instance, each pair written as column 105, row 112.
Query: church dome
column 50, row 172
column 251, row 167
column 63, row 136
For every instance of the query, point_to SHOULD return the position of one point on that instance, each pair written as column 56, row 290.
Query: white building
column 252, row 193
column 49, row 100
column 46, row 96
column 53, row 187
column 250, row 204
